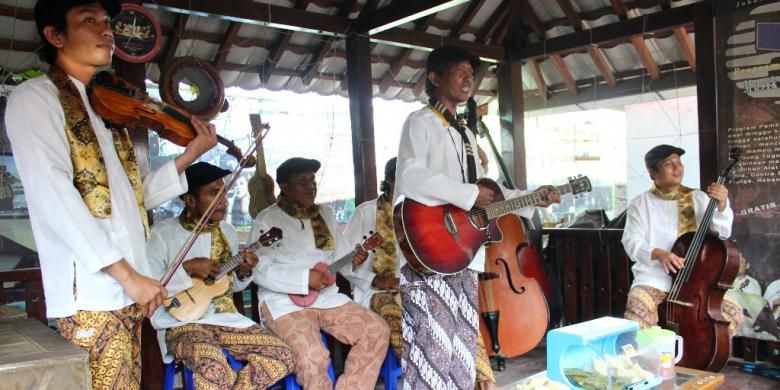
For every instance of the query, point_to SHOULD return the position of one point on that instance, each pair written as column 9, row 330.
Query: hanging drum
column 193, row 85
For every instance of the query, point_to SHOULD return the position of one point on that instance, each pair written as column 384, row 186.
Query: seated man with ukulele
column 654, row 221
column 287, row 275
column 184, row 332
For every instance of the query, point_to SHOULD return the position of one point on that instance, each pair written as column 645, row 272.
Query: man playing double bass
column 654, row 221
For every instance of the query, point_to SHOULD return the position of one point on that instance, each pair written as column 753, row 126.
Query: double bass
column 693, row 307
column 512, row 303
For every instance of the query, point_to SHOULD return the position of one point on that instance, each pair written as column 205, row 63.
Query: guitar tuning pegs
column 364, row 237
column 262, row 231
column 370, row 232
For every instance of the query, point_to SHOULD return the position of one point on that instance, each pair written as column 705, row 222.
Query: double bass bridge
column 681, row 303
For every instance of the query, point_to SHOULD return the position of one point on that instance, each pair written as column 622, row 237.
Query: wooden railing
column 593, row 270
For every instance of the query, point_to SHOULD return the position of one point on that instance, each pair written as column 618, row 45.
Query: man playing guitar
column 311, row 236
column 436, row 166
column 198, row 344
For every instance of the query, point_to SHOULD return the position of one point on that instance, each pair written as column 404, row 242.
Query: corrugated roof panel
column 623, row 57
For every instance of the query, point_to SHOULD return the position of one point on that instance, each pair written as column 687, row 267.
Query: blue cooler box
column 598, row 351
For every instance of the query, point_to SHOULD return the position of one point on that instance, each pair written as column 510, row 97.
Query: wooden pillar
column 361, row 113
column 704, row 25
column 510, row 107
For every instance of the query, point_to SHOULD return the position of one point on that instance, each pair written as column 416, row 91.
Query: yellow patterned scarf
column 686, row 215
column 322, row 237
column 89, row 171
column 384, row 262
column 220, row 252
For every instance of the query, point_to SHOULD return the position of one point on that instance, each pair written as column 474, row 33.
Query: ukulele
column 191, row 304
column 370, row 243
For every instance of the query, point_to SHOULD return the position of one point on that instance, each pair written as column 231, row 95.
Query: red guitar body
column 308, row 299
column 446, row 237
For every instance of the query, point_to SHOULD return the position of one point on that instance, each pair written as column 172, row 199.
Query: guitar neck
column 235, row 260
column 507, row 206
column 340, row 263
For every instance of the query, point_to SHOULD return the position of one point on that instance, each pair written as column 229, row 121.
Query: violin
column 122, row 104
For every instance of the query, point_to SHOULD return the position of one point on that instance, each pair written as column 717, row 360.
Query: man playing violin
column 436, row 166
column 85, row 195
column 312, row 235
column 654, row 221
column 199, row 344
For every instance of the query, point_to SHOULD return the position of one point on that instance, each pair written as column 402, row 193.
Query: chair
column 391, row 370
column 290, row 382
column 186, row 373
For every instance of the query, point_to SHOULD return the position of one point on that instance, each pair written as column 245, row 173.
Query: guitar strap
column 471, row 165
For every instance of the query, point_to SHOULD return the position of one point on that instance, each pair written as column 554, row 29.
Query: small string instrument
column 191, row 304
column 306, row 300
column 121, row 104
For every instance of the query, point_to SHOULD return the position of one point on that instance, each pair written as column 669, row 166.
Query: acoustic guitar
column 330, row 269
column 444, row 239
column 191, row 304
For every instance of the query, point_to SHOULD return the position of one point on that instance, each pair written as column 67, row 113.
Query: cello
column 693, row 307
column 512, row 302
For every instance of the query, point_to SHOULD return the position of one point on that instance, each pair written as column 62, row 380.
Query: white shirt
column 69, row 239
column 166, row 240
column 652, row 222
column 284, row 268
column 363, row 221
column 431, row 167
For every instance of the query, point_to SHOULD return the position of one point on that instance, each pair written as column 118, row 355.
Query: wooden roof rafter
column 279, row 48
column 594, row 51
column 169, row 52
column 638, row 42
column 231, row 33
column 557, row 59
column 325, row 46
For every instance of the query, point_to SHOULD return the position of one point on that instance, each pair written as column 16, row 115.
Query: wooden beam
column 172, row 44
column 400, row 12
column 248, row 11
column 279, row 48
column 479, row 75
column 568, row 79
column 630, row 85
column 496, row 20
column 17, row 12
column 685, row 45
column 602, row 65
column 539, row 77
column 224, row 48
column 571, row 14
column 644, row 53
column 607, row 34
column 595, row 53
column 510, row 107
column 706, row 93
column 318, row 55
column 361, row 113
column 432, row 41
column 399, row 61
column 466, row 19
column 620, row 9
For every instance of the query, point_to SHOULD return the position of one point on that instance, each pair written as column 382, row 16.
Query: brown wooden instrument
column 121, row 104
column 191, row 304
column 693, row 306
column 512, row 299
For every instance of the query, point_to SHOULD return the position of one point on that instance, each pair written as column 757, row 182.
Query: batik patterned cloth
column 113, row 342
column 385, row 304
column 643, row 301
column 440, row 325
column 199, row 346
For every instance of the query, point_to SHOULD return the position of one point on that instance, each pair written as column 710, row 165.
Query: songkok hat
column 202, row 173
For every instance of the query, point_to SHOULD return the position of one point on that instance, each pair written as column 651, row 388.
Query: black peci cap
column 46, row 11
column 202, row 173
column 390, row 167
column 442, row 56
column 660, row 152
column 294, row 166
